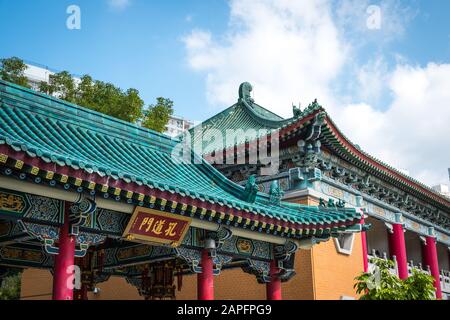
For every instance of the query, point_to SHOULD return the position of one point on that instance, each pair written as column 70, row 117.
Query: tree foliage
column 381, row 284
column 157, row 115
column 61, row 85
column 109, row 99
column 13, row 70
column 10, row 287
column 96, row 95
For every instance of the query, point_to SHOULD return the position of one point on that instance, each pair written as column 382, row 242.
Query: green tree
column 419, row 286
column 134, row 106
column 12, row 70
column 94, row 94
column 85, row 92
column 60, row 84
column 10, row 287
column 381, row 284
column 109, row 99
column 157, row 115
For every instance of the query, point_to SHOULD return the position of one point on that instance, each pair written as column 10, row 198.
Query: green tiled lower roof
column 71, row 136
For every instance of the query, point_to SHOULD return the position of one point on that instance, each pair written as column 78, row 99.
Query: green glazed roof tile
column 69, row 135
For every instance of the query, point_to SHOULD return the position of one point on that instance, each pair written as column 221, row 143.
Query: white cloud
column 414, row 131
column 352, row 17
column 297, row 50
column 119, row 4
column 370, row 82
column 271, row 44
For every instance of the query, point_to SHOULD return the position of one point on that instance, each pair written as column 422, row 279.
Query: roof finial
column 296, row 110
column 251, row 189
column 275, row 192
column 244, row 93
column 313, row 106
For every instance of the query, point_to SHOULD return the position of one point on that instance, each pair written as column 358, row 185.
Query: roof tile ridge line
column 387, row 166
column 85, row 124
column 268, row 135
column 265, row 109
column 225, row 112
column 268, row 122
column 383, row 164
column 231, row 186
column 219, row 115
column 294, row 120
column 66, row 104
column 217, row 176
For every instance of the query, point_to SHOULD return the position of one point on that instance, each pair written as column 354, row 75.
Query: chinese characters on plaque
column 147, row 225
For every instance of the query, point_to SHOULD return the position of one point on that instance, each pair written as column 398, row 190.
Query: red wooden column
column 273, row 288
column 364, row 246
column 431, row 259
column 397, row 246
column 64, row 259
column 205, row 280
column 360, row 204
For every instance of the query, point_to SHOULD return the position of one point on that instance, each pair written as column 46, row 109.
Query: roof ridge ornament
column 251, row 189
column 297, row 112
column 275, row 193
column 244, row 93
column 313, row 106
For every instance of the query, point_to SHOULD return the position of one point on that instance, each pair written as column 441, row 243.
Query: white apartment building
column 37, row 73
column 442, row 189
column 177, row 125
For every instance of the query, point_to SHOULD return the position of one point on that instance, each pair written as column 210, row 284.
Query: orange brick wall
column 230, row 284
column 334, row 273
column 37, row 285
column 236, row 284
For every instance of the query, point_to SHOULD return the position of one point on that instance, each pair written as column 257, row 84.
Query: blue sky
column 136, row 46
column 140, row 44
column 380, row 85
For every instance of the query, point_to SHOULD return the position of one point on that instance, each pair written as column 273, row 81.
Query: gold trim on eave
column 19, row 164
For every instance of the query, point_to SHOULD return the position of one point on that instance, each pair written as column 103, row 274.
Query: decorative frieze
column 374, row 208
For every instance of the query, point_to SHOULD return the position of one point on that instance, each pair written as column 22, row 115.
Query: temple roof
column 246, row 114
column 87, row 151
column 254, row 120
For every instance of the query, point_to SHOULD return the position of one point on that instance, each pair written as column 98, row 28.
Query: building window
column 344, row 243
